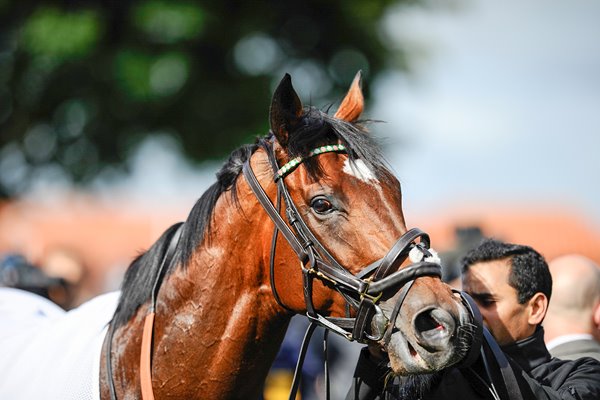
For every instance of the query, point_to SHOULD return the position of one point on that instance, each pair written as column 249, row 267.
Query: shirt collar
column 529, row 352
column 557, row 341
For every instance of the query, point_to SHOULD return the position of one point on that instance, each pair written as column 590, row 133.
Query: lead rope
column 146, row 349
column 146, row 352
column 513, row 391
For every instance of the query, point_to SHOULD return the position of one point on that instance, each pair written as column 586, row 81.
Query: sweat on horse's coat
column 47, row 353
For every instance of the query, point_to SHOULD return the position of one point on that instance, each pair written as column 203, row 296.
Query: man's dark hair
column 529, row 271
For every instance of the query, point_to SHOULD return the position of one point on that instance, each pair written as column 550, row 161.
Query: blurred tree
column 82, row 82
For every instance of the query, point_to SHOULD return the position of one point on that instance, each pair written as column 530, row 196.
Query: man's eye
column 486, row 302
column 321, row 205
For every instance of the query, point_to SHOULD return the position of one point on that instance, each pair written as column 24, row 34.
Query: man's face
column 487, row 283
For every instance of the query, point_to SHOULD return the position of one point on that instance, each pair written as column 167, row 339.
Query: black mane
column 315, row 129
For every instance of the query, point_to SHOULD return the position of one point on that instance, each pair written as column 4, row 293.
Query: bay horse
column 307, row 220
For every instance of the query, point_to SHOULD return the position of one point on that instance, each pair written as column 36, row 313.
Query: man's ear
column 596, row 317
column 537, row 308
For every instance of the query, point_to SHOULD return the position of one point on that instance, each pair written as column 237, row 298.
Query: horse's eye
column 321, row 205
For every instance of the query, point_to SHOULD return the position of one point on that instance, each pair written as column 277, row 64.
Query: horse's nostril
column 433, row 328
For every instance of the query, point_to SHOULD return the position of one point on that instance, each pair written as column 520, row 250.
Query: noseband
column 363, row 291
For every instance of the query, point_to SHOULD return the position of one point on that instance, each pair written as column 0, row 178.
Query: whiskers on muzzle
column 467, row 338
column 416, row 386
column 410, row 387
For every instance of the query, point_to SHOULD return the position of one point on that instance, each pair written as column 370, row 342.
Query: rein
column 363, row 291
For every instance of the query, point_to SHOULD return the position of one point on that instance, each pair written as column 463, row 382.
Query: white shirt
column 557, row 341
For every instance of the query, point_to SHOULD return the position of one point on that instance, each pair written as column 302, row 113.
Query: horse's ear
column 286, row 109
column 354, row 102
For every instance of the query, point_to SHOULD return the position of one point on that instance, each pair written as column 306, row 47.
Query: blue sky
column 503, row 106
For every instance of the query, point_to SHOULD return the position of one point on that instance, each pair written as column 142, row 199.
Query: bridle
column 363, row 291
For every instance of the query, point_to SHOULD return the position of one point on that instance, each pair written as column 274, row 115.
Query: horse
column 306, row 220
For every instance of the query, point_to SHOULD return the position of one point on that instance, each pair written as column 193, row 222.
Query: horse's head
column 350, row 256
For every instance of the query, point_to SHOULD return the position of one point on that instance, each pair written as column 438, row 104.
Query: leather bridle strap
column 340, row 275
column 264, row 200
column 146, row 352
column 399, row 252
column 303, row 349
column 391, row 262
column 476, row 335
column 401, row 297
column 272, row 258
column 511, row 385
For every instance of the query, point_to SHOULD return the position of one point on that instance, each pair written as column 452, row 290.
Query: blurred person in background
column 57, row 277
column 66, row 265
column 18, row 273
column 573, row 321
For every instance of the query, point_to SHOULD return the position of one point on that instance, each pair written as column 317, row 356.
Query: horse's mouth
column 406, row 357
column 410, row 355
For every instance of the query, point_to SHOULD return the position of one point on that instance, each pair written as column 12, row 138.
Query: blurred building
column 105, row 237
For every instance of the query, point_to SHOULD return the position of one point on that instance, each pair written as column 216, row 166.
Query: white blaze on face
column 359, row 170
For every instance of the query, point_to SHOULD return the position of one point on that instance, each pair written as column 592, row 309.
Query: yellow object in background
column 278, row 385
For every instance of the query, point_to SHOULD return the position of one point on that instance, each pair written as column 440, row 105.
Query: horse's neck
column 218, row 326
column 216, row 341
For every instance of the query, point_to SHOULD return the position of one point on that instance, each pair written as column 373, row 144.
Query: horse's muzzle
column 433, row 339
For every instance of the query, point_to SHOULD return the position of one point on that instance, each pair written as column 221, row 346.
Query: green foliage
column 142, row 77
column 168, row 21
column 81, row 84
column 50, row 32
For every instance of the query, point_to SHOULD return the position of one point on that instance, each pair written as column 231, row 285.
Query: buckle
column 363, row 294
column 322, row 276
column 379, row 325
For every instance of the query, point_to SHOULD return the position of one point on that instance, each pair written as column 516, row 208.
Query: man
column 573, row 322
column 512, row 285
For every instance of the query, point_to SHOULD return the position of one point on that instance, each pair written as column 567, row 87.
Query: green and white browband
column 292, row 164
